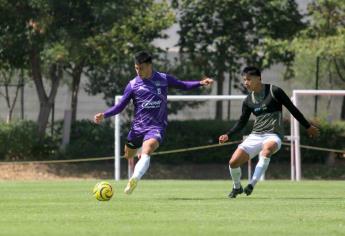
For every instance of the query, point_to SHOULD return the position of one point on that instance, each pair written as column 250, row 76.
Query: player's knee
column 267, row 152
column 233, row 163
column 127, row 156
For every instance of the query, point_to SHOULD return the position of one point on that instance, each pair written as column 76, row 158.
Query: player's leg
column 238, row 158
column 134, row 142
column 149, row 146
column 248, row 149
column 130, row 152
column 270, row 146
column 151, row 142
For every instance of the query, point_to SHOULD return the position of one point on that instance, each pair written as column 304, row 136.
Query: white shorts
column 253, row 144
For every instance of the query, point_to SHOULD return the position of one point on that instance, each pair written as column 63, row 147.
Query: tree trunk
column 43, row 117
column 342, row 116
column 219, row 104
column 46, row 102
column 230, row 92
column 22, row 94
column 76, row 76
column 12, row 106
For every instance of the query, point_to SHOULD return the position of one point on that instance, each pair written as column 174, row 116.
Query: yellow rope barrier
column 160, row 153
column 112, row 157
column 318, row 148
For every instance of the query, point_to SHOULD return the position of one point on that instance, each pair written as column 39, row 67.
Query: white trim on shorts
column 253, row 144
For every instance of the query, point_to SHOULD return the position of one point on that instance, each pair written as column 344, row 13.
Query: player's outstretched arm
column 281, row 96
column 98, row 118
column 223, row 138
column 239, row 124
column 187, row 85
column 313, row 131
column 117, row 108
column 206, row 81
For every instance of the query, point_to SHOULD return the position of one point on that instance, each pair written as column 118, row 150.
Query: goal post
column 296, row 168
column 117, row 149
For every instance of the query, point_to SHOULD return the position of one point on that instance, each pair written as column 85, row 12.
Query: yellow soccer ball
column 103, row 191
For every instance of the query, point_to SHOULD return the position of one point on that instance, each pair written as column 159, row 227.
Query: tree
column 223, row 35
column 86, row 20
column 320, row 48
column 26, row 37
column 113, row 50
column 10, row 80
column 50, row 37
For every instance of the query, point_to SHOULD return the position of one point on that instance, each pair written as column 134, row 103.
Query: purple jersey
column 150, row 100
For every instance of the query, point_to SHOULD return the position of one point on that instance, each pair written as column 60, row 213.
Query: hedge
column 19, row 141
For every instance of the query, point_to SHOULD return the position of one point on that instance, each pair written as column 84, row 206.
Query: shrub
column 20, row 141
column 89, row 139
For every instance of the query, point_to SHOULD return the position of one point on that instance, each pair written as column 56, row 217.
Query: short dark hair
column 142, row 57
column 251, row 70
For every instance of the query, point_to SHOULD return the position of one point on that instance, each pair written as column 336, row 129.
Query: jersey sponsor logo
column 260, row 109
column 152, row 104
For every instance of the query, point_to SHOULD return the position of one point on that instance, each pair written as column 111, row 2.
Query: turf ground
column 169, row 207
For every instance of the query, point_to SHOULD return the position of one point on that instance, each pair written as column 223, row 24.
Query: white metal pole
column 249, row 169
column 296, row 131
column 117, row 168
column 205, row 97
column 292, row 142
column 320, row 92
column 297, row 144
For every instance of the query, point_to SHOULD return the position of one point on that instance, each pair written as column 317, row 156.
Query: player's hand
column 313, row 131
column 98, row 118
column 223, row 138
column 206, row 81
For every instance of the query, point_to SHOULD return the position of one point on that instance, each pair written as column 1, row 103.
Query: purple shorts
column 136, row 139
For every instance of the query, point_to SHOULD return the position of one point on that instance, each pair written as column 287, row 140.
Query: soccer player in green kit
column 265, row 101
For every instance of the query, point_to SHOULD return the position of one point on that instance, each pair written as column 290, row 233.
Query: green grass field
column 169, row 207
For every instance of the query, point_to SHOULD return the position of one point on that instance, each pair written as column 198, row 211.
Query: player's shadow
column 296, row 198
column 311, row 198
column 193, row 199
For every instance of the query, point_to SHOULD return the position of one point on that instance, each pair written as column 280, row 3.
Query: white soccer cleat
column 132, row 183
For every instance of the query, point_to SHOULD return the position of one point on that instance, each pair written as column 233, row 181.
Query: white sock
column 236, row 176
column 260, row 169
column 141, row 166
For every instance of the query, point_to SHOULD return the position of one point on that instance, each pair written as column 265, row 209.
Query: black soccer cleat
column 235, row 192
column 248, row 189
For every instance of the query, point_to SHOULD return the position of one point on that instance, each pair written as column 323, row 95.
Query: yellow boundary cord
column 160, row 153
column 112, row 157
column 318, row 148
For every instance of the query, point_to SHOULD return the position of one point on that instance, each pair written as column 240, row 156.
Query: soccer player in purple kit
column 148, row 90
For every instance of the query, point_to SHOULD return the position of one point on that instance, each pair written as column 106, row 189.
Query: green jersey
column 267, row 108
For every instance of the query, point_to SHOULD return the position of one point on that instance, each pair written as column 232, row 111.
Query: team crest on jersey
column 142, row 88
